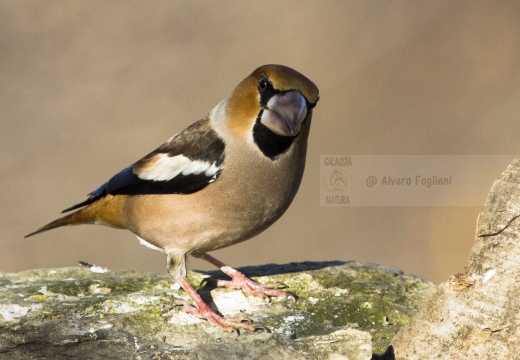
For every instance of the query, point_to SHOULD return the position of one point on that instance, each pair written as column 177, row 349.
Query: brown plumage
column 221, row 181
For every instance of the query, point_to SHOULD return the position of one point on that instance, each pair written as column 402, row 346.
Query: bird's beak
column 284, row 113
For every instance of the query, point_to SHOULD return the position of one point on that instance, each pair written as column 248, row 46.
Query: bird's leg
column 177, row 270
column 203, row 311
column 240, row 281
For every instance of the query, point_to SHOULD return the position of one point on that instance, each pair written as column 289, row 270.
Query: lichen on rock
column 344, row 309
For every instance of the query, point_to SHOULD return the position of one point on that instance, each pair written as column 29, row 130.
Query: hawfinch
column 220, row 181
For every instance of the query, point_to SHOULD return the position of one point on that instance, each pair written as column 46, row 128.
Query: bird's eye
column 262, row 84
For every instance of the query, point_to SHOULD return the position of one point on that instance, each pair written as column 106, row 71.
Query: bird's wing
column 185, row 164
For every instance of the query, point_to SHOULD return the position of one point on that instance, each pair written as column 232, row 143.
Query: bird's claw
column 229, row 325
column 261, row 327
column 179, row 303
column 291, row 296
column 250, row 287
column 208, row 281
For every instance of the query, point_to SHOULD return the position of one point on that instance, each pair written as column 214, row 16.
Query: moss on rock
column 344, row 308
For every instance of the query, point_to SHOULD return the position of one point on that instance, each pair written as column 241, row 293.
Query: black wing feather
column 197, row 142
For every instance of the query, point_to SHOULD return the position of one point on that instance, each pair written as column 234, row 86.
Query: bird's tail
column 82, row 216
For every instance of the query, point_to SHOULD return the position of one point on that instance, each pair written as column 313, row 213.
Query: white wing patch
column 164, row 167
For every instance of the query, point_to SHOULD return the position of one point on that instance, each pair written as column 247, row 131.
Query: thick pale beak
column 284, row 113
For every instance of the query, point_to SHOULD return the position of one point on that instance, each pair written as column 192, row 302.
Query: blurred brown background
column 87, row 88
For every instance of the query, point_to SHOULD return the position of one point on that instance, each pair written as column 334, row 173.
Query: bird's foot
column 250, row 287
column 230, row 325
column 203, row 311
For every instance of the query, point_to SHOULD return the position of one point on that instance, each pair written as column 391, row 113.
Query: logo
column 337, row 181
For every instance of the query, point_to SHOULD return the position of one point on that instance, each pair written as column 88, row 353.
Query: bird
column 222, row 180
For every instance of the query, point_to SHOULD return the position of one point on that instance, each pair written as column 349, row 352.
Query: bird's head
column 274, row 98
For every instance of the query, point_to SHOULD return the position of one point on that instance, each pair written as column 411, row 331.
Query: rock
column 346, row 310
column 476, row 315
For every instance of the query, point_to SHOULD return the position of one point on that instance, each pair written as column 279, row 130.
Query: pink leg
column 240, row 281
column 203, row 311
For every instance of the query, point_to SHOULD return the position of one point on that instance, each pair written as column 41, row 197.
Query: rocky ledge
column 475, row 315
column 345, row 310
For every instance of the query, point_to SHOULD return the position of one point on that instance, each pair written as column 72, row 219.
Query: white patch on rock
column 488, row 275
column 43, row 291
column 104, row 326
column 313, row 300
column 181, row 318
column 119, row 308
column 231, row 302
column 96, row 290
column 293, row 318
column 175, row 286
column 366, row 305
column 12, row 311
column 340, row 292
column 98, row 269
column 146, row 300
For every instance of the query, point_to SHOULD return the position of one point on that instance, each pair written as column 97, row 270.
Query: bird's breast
column 250, row 194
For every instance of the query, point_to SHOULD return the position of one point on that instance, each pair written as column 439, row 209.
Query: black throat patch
column 270, row 144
